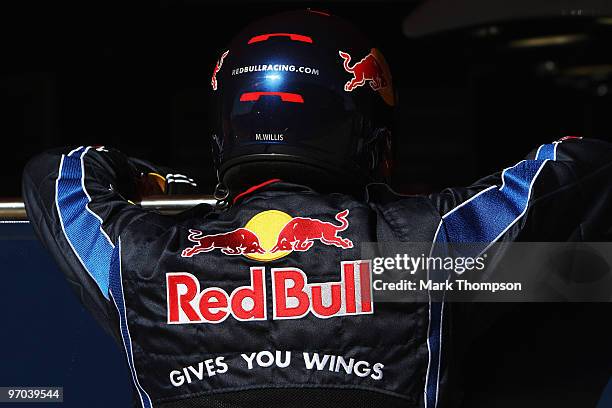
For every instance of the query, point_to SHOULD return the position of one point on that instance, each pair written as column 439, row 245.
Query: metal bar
column 13, row 209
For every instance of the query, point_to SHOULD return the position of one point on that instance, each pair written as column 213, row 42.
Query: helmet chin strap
column 221, row 194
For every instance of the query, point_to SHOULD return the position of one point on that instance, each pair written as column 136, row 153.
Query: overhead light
column 547, row 41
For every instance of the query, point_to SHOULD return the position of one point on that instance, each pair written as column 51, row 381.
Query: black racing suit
column 267, row 303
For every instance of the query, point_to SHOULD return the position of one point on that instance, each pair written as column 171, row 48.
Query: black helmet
column 302, row 96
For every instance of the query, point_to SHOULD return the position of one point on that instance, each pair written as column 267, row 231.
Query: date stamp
column 31, row 394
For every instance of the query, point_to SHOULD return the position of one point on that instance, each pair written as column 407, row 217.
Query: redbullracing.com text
column 275, row 68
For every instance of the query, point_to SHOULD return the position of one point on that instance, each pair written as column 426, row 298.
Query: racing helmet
column 305, row 97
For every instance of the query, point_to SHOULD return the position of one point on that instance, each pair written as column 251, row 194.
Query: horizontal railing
column 13, row 209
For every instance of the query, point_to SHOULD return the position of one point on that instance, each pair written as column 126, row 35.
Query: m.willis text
column 281, row 359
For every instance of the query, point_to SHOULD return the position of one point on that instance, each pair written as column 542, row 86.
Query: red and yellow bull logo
column 271, row 235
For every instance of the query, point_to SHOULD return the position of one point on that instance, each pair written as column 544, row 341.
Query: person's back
column 225, row 305
column 266, row 299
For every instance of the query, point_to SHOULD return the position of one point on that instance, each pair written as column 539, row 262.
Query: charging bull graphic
column 299, row 233
column 237, row 242
column 368, row 69
column 213, row 81
column 271, row 235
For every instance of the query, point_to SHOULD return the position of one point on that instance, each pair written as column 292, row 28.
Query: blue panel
column 48, row 338
column 82, row 228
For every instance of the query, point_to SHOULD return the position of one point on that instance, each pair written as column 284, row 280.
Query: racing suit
column 267, row 303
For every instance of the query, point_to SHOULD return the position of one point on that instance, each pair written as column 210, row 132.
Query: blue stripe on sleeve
column 488, row 215
column 81, row 227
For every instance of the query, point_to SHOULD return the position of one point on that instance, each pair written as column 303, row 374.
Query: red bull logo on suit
column 237, row 242
column 300, row 233
column 293, row 297
column 271, row 235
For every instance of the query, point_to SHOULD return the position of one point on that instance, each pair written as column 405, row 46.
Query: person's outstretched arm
column 78, row 202
column 561, row 192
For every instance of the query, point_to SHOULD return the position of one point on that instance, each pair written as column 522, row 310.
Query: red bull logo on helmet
column 271, row 235
column 213, row 81
column 371, row 69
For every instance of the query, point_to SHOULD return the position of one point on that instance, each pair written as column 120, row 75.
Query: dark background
column 136, row 75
